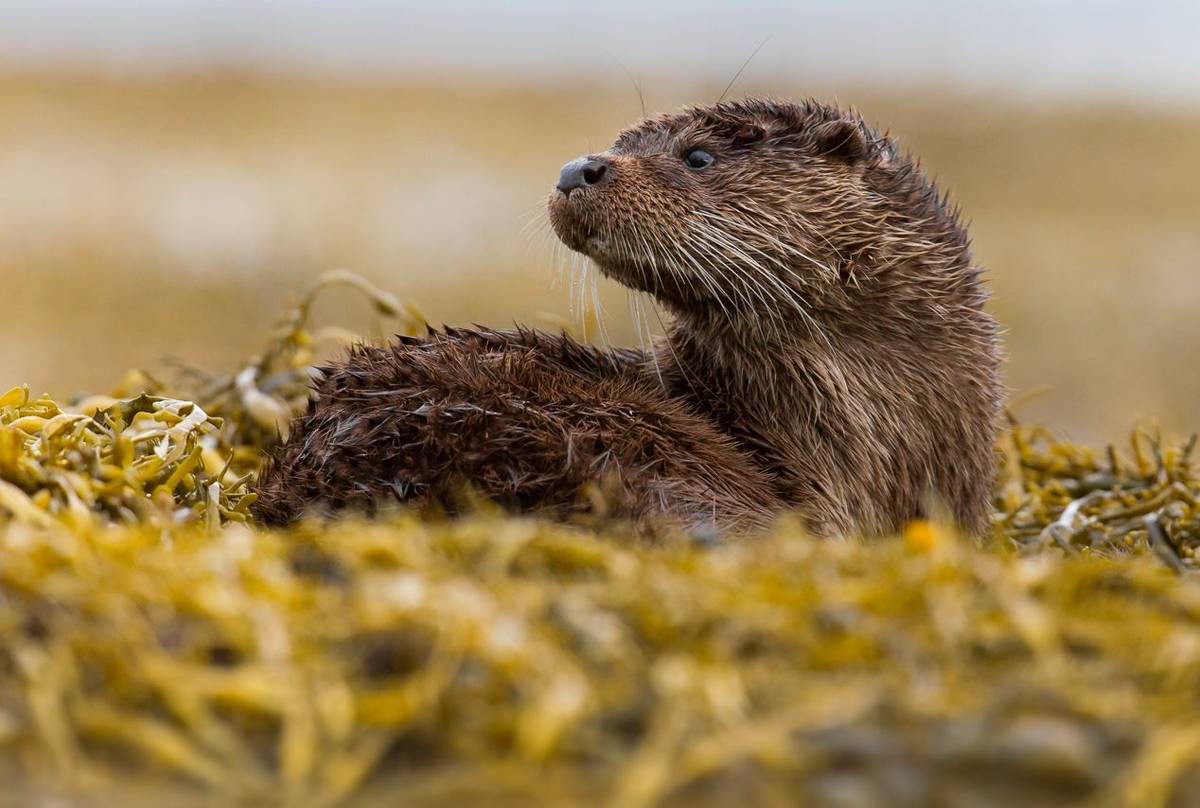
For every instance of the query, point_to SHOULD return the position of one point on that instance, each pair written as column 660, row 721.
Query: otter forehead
column 783, row 123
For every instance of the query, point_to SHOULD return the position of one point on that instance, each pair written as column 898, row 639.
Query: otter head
column 762, row 207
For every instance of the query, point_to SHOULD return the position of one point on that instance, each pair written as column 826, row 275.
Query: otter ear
column 748, row 134
column 843, row 140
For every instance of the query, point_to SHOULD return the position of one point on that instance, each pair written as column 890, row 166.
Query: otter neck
column 878, row 308
column 740, row 365
column 834, row 392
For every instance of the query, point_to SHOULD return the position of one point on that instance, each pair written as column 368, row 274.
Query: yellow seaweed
column 146, row 626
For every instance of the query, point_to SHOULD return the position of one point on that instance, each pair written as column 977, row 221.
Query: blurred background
column 172, row 172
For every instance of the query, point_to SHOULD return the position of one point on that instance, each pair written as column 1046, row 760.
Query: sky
column 1142, row 50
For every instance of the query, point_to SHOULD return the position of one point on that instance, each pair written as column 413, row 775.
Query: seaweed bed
column 156, row 647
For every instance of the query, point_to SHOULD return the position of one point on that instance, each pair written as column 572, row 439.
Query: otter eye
column 698, row 159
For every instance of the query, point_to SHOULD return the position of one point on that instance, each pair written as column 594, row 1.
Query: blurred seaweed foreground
column 155, row 646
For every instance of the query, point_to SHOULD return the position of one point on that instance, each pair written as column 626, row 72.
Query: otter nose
column 585, row 171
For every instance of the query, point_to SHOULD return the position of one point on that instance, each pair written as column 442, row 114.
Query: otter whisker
column 722, row 268
column 719, row 240
column 762, row 233
column 746, row 246
column 631, row 300
column 584, row 266
column 743, row 286
column 773, row 240
column 735, row 246
column 651, row 255
column 742, row 69
column 791, row 295
column 740, row 248
column 712, row 244
column 542, row 240
column 757, row 232
column 705, row 278
column 755, row 316
column 561, row 261
column 579, row 268
column 783, row 225
column 532, row 218
column 720, row 264
column 645, row 338
column 677, row 361
column 598, row 311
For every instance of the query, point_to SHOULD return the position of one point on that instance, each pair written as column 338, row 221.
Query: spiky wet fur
column 829, row 335
column 533, row 421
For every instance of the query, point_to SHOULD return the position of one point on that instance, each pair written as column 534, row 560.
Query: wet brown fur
column 533, row 421
column 829, row 348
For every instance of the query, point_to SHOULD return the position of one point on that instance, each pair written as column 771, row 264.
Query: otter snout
column 583, row 172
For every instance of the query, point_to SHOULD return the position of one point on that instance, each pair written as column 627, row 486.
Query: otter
column 829, row 351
